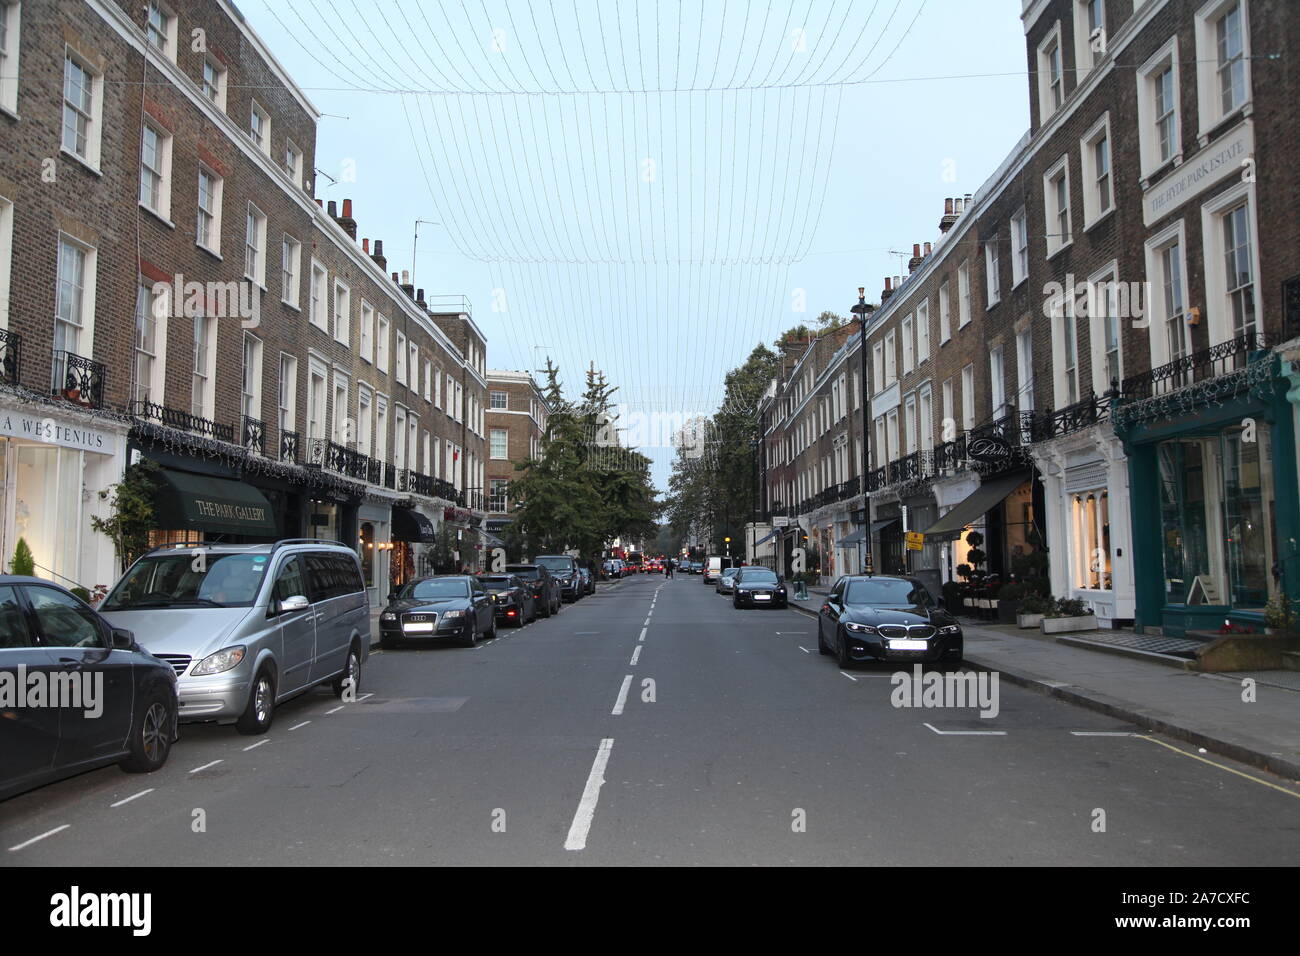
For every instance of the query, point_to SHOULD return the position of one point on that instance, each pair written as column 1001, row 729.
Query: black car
column 108, row 699
column 512, row 598
column 564, row 568
column 886, row 618
column 588, row 580
column 446, row 606
column 546, row 590
column 757, row 587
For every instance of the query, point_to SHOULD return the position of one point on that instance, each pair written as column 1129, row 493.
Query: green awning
column 987, row 496
column 213, row 505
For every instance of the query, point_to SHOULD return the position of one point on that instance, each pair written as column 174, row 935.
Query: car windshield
column 887, row 593
column 758, row 576
column 435, row 589
column 496, row 582
column 528, row 574
column 556, row 564
column 190, row 578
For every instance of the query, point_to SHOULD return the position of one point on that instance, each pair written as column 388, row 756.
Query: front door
column 297, row 628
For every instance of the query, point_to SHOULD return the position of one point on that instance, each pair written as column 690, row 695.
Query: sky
column 655, row 186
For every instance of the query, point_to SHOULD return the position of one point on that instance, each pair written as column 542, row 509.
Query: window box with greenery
column 1068, row 615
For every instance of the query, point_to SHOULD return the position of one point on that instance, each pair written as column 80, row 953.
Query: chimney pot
column 347, row 209
column 928, row 248
column 379, row 247
column 395, row 277
column 333, row 209
column 888, row 287
column 320, row 202
column 406, row 277
column 916, row 249
column 365, row 246
column 947, row 206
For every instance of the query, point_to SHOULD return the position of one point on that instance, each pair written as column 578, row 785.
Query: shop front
column 414, row 536
column 1001, row 510
column 197, row 507
column 53, row 462
column 1215, row 512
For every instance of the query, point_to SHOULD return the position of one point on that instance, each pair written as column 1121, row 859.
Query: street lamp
column 863, row 311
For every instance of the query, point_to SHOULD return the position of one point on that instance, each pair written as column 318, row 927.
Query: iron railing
column 10, row 352
column 254, row 435
column 1221, row 359
column 183, row 421
column 289, row 446
column 79, row 379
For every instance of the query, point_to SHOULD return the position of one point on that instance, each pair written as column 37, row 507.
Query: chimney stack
column 378, row 255
column 346, row 221
column 949, row 215
column 333, row 209
column 419, row 298
column 405, row 284
column 928, row 249
column 365, row 246
column 915, row 261
column 886, row 292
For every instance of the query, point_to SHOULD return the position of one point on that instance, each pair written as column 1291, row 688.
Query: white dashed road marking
column 133, row 797
column 968, row 733
column 48, row 833
column 206, row 766
column 622, row 696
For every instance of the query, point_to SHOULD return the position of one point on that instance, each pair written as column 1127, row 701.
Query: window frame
column 1209, row 95
column 1148, row 136
column 1093, row 209
column 1058, row 172
column 215, row 195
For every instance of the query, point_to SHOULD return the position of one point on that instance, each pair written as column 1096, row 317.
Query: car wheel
column 257, row 716
column 842, row 652
column 821, row 642
column 473, row 635
column 735, row 602
column 351, row 672
column 492, row 633
column 151, row 735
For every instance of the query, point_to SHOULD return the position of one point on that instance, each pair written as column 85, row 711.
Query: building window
column 908, row 348
column 1091, row 526
column 293, row 162
column 202, row 396
column 381, row 428
column 288, row 398
column 208, row 234
column 342, row 425
column 10, row 20
column 891, row 359
column 1089, row 35
column 160, row 29
column 213, row 82
column 1167, row 279
column 367, row 348
column 499, row 442
column 997, row 383
column 251, row 393
column 74, row 307
column 381, row 344
column 6, row 257
column 922, row 332
column 968, row 398
column 428, row 380
column 963, row 294
column 342, row 313
column 949, row 429
column 399, row 437
column 155, row 169
column 1238, row 269
column 82, row 107
column 1056, row 204
column 1019, row 249
column 414, row 370
column 399, row 370
column 148, row 367
column 364, row 415
column 1094, row 156
column 497, row 501
column 909, row 425
column 500, row 400
column 1222, row 62
column 993, row 282
column 1051, row 75
column 255, row 246
column 259, row 127
column 1158, row 113
column 290, row 262
column 318, row 306
column 877, row 366
column 1025, row 370
column 945, row 315
column 926, row 406
column 1065, row 353
column 315, row 405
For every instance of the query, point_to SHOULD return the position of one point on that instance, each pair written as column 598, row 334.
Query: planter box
column 1008, row 610
column 1029, row 621
column 1065, row 625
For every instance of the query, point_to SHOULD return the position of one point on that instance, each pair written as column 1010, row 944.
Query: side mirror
column 123, row 639
column 295, row 603
column 392, row 595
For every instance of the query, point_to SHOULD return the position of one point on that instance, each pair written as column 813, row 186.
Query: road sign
column 780, row 521
column 915, row 541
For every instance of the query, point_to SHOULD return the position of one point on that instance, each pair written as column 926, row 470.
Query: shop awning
column 490, row 538
column 413, row 527
column 853, row 537
column 981, row 500
column 878, row 526
column 212, row 505
column 767, row 537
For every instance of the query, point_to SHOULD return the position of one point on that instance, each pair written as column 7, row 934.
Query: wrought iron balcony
column 183, row 421
column 1222, row 359
column 444, row 489
column 289, row 446
column 10, row 352
column 78, row 379
column 254, row 435
column 878, row 479
column 949, row 455
column 1082, row 414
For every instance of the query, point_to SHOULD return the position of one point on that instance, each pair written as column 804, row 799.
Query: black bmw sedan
column 882, row 618
column 447, row 606
column 757, row 587
column 512, row 598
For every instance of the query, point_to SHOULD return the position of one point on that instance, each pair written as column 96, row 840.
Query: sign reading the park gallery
column 1230, row 153
column 232, row 512
column 54, row 432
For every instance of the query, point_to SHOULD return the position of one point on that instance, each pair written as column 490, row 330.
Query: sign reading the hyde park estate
column 1226, row 156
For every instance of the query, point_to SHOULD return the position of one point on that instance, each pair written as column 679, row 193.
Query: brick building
column 173, row 291
column 1095, row 353
column 516, row 422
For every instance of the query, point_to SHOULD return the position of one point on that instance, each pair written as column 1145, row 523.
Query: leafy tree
column 132, row 512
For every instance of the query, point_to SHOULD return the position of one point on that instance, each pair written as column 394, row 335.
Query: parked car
column 546, row 590
column 443, row 607
column 127, row 707
column 715, row 566
column 723, row 583
column 886, row 618
column 248, row 626
column 564, row 568
column 512, row 599
column 588, row 580
column 697, row 567
column 755, row 586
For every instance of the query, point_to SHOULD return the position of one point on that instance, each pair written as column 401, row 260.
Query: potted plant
column 954, row 594
column 22, row 563
column 1068, row 614
column 1032, row 608
column 1279, row 615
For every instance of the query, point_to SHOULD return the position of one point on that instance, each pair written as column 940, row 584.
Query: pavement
column 653, row 724
column 1126, row 676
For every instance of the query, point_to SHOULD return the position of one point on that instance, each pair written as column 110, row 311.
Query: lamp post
column 863, row 311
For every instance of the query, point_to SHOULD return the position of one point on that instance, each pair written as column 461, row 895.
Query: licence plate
column 416, row 628
column 908, row 645
column 762, row 597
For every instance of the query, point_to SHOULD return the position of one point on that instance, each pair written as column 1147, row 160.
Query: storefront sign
column 53, row 432
column 1227, row 155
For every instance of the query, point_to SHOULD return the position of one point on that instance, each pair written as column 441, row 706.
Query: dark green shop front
column 214, row 506
column 1215, row 511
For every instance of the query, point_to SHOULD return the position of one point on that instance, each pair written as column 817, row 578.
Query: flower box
column 1064, row 625
column 1029, row 621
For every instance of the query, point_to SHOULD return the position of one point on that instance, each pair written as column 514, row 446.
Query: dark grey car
column 447, row 606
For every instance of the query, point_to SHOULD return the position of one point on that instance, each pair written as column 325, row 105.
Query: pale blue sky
column 594, row 210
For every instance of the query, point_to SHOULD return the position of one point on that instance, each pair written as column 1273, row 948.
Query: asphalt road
column 754, row 750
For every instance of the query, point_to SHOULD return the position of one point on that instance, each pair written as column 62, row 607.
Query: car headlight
column 388, row 616
column 781, row 591
column 220, row 662
column 859, row 628
column 950, row 629
column 452, row 615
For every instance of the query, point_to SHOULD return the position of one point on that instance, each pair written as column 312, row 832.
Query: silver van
column 246, row 627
